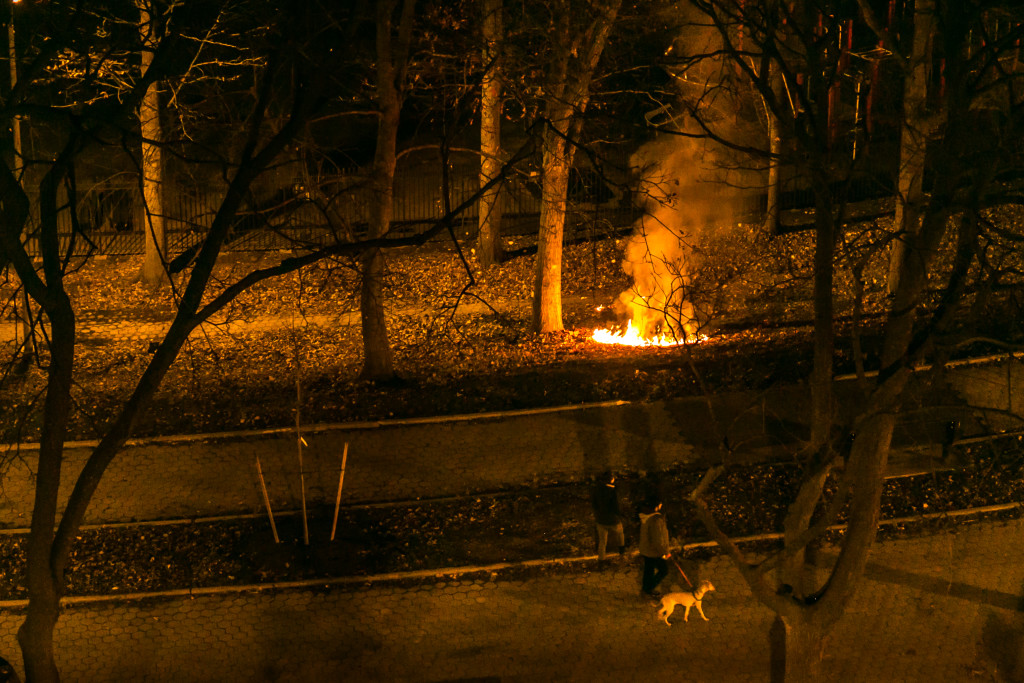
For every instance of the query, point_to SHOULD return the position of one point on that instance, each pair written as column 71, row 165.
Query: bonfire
column 634, row 335
column 631, row 337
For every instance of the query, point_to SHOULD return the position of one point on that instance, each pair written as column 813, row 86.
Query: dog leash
column 682, row 572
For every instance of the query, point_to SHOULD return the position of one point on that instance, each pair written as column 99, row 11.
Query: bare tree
column 801, row 45
column 79, row 127
column 394, row 35
column 915, row 129
column 151, row 176
column 266, row 112
column 489, row 247
column 575, row 51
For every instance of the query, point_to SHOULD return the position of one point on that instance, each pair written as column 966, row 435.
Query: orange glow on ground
column 631, row 337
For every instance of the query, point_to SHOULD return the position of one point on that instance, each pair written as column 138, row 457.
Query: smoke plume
column 687, row 188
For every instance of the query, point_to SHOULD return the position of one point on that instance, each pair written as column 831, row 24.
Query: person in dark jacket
column 653, row 548
column 604, row 498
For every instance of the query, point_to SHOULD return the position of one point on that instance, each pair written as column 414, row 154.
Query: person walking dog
column 604, row 498
column 653, row 549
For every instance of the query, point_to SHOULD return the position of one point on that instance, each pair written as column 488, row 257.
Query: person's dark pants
column 655, row 569
column 604, row 531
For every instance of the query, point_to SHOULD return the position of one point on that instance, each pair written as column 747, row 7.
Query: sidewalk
column 936, row 608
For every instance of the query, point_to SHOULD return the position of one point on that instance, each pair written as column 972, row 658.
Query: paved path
column 938, row 608
column 392, row 460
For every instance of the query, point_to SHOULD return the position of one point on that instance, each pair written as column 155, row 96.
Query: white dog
column 688, row 600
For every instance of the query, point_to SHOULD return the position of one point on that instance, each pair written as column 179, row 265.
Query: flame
column 631, row 337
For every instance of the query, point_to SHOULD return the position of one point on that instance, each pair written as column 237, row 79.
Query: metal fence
column 292, row 212
column 296, row 211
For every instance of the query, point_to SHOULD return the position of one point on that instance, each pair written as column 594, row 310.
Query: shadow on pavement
column 936, row 585
column 939, row 586
column 1002, row 640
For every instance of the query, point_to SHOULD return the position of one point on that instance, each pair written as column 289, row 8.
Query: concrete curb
column 328, row 427
column 1009, row 355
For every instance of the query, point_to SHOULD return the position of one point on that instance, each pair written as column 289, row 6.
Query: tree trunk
column 378, row 362
column 797, row 645
column 824, row 309
column 568, row 92
column 772, row 213
column 865, row 466
column 12, row 61
column 489, row 247
column 35, row 637
column 44, row 580
column 547, row 282
column 798, row 518
column 153, row 270
column 913, row 140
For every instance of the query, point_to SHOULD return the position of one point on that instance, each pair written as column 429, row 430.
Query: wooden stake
column 341, row 481
column 299, row 441
column 266, row 500
column 302, row 472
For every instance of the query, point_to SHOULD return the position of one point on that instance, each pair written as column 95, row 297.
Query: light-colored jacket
column 653, row 535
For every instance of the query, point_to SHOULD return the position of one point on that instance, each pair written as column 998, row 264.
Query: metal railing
column 112, row 216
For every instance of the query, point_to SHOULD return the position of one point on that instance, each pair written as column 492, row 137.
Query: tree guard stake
column 266, row 500
column 341, row 481
column 302, row 472
column 300, row 442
